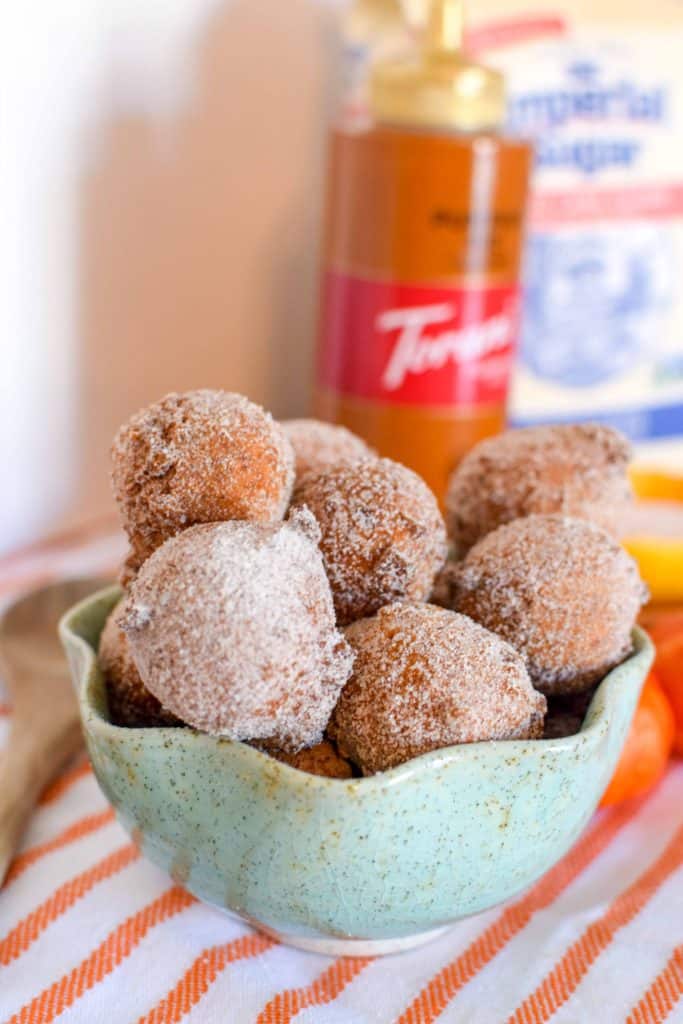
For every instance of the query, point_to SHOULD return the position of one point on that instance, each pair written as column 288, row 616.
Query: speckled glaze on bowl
column 349, row 867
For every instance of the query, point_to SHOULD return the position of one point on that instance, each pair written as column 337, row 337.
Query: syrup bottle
column 423, row 240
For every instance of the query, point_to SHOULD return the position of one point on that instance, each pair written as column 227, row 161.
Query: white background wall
column 160, row 189
column 161, row 175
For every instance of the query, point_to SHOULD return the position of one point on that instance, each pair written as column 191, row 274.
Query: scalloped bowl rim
column 595, row 719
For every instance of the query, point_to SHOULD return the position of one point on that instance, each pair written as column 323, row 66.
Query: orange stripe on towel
column 118, row 945
column 64, row 783
column 84, row 827
column 662, row 995
column 324, row 989
column 62, row 899
column 72, row 537
column 438, row 992
column 199, row 977
column 557, row 986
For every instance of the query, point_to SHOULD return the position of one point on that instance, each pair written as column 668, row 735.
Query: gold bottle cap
column 364, row 18
column 442, row 87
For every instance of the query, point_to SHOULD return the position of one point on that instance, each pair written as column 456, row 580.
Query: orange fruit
column 669, row 669
column 662, row 622
column 648, row 746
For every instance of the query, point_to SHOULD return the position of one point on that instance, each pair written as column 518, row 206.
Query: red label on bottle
column 418, row 344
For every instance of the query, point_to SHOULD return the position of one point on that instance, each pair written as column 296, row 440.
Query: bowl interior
column 412, row 849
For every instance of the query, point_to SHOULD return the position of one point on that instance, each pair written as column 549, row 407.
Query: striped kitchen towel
column 92, row 933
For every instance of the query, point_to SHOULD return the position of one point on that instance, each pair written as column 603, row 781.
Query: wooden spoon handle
column 36, row 752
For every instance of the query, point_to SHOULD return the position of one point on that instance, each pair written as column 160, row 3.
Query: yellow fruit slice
column 661, row 566
column 654, row 534
column 650, row 484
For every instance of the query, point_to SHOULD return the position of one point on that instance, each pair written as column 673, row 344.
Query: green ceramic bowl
column 367, row 865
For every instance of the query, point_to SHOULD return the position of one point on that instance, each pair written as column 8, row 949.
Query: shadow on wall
column 200, row 231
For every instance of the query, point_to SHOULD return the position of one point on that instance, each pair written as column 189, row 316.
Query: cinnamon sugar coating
column 318, row 445
column 130, row 702
column 232, row 627
column 560, row 590
column 322, row 759
column 426, row 678
column 578, row 470
column 129, row 569
column 200, row 457
column 382, row 536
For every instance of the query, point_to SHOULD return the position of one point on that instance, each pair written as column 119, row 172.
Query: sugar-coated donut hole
column 130, row 702
column 232, row 628
column 319, row 446
column 199, row 457
column 562, row 591
column 322, row 759
column 425, row 678
column 578, row 470
column 383, row 538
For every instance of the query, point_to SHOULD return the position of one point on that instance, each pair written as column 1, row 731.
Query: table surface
column 90, row 932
